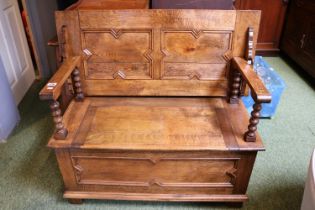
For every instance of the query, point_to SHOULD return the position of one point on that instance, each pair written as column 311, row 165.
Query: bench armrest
column 258, row 90
column 52, row 89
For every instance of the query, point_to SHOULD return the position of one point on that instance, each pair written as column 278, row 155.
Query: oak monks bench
column 156, row 114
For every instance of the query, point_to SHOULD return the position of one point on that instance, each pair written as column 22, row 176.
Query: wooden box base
column 211, row 176
column 156, row 149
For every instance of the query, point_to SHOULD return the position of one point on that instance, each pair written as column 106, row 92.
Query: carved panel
column 158, row 172
column 195, row 54
column 117, row 54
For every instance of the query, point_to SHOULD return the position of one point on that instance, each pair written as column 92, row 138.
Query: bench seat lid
column 173, row 124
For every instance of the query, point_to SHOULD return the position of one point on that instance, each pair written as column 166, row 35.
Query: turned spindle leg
column 61, row 132
column 79, row 96
column 235, row 87
column 250, row 135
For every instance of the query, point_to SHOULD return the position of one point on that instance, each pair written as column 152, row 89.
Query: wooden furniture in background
column 298, row 40
column 166, row 148
column 272, row 20
column 196, row 4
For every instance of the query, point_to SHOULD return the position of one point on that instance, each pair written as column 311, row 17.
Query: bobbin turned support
column 235, row 87
column 258, row 91
column 77, row 86
column 243, row 72
column 61, row 132
column 52, row 92
column 250, row 135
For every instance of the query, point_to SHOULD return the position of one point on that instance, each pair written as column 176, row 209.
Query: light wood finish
column 155, row 123
column 258, row 90
column 66, row 94
column 142, row 56
column 244, row 21
column 157, row 197
column 53, row 88
column 110, row 4
column 157, row 148
column 158, row 176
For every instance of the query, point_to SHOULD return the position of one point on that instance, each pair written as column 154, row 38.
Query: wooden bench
column 156, row 114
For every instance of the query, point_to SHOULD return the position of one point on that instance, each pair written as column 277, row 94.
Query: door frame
column 40, row 46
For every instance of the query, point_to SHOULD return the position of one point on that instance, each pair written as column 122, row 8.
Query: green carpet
column 30, row 178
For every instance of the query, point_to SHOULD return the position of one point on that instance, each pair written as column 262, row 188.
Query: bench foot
column 75, row 201
column 235, row 204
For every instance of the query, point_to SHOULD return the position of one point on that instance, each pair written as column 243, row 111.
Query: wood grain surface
column 156, row 52
column 156, row 148
column 53, row 88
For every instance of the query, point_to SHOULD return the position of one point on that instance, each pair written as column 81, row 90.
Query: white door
column 14, row 49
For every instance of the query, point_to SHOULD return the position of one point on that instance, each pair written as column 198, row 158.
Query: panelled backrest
column 155, row 52
column 110, row 4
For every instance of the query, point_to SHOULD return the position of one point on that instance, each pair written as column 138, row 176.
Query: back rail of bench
column 155, row 52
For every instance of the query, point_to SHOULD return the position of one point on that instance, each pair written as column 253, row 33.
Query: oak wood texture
column 156, row 124
column 157, row 176
column 156, row 148
column 272, row 22
column 110, row 4
column 66, row 95
column 258, row 90
column 298, row 42
column 170, row 57
column 52, row 90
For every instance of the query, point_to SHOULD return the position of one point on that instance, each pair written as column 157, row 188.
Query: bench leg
column 61, row 132
column 75, row 201
column 250, row 135
column 236, row 204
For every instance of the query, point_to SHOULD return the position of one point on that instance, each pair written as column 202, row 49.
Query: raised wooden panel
column 159, row 126
column 156, row 52
column 117, row 54
column 155, row 172
column 193, row 54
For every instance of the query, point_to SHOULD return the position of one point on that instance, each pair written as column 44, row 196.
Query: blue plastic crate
column 273, row 83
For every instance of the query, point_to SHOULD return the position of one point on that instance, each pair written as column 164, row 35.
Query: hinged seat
column 129, row 123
